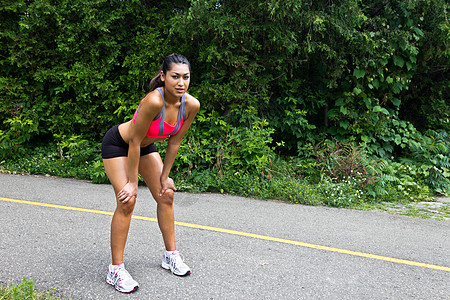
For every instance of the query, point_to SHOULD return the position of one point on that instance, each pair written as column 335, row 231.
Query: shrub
column 343, row 193
column 214, row 144
column 70, row 157
column 399, row 182
column 24, row 290
column 431, row 155
column 342, row 161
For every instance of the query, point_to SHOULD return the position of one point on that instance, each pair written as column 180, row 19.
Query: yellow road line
column 246, row 234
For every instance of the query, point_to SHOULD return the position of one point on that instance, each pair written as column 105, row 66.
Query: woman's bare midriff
column 124, row 131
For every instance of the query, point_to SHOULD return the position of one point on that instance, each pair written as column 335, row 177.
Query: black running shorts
column 113, row 145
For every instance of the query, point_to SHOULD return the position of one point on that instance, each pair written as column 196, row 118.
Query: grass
column 25, row 291
column 426, row 210
column 299, row 181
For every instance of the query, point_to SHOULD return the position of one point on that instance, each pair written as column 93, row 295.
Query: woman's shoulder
column 192, row 102
column 153, row 99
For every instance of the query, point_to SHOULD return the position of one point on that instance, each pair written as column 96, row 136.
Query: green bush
column 342, row 161
column 213, row 143
column 70, row 157
column 274, row 79
column 431, row 155
column 348, row 69
column 343, row 193
column 24, row 291
column 398, row 182
column 76, row 67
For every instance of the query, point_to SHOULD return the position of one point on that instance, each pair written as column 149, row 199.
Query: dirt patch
column 438, row 210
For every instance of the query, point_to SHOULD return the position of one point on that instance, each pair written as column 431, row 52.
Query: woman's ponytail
column 156, row 81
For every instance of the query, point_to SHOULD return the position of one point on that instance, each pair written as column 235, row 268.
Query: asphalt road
column 65, row 249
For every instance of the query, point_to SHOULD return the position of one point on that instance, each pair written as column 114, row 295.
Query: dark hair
column 166, row 66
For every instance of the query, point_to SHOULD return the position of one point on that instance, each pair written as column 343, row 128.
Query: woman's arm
column 192, row 107
column 149, row 107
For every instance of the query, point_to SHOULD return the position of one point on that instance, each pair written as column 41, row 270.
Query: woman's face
column 177, row 79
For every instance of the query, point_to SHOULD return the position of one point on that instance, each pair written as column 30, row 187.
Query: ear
column 163, row 78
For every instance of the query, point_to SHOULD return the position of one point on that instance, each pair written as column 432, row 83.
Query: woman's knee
column 166, row 198
column 126, row 208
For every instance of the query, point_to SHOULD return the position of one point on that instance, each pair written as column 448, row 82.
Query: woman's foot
column 121, row 279
column 174, row 262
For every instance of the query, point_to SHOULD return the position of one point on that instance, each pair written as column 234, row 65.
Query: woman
column 166, row 112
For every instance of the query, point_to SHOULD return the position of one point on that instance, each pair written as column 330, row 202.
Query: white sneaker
column 121, row 280
column 175, row 264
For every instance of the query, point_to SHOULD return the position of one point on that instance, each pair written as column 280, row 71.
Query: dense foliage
column 304, row 96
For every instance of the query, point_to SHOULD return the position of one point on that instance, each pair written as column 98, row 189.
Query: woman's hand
column 166, row 184
column 129, row 191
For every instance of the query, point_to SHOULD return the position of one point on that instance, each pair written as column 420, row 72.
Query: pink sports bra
column 159, row 129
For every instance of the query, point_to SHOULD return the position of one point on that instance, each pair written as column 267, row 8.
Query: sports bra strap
column 181, row 113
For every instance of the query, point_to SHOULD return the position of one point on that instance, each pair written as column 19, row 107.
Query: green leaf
column 385, row 111
column 396, row 88
column 358, row 73
column 399, row 61
column 419, row 32
column 409, row 65
column 357, row 91
column 396, row 101
column 376, row 83
column 333, row 113
column 344, row 124
column 377, row 108
column 340, row 102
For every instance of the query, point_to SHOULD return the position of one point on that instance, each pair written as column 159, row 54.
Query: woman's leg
column 116, row 169
column 150, row 168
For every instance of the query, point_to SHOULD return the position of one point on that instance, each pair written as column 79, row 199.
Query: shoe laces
column 121, row 274
column 176, row 260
